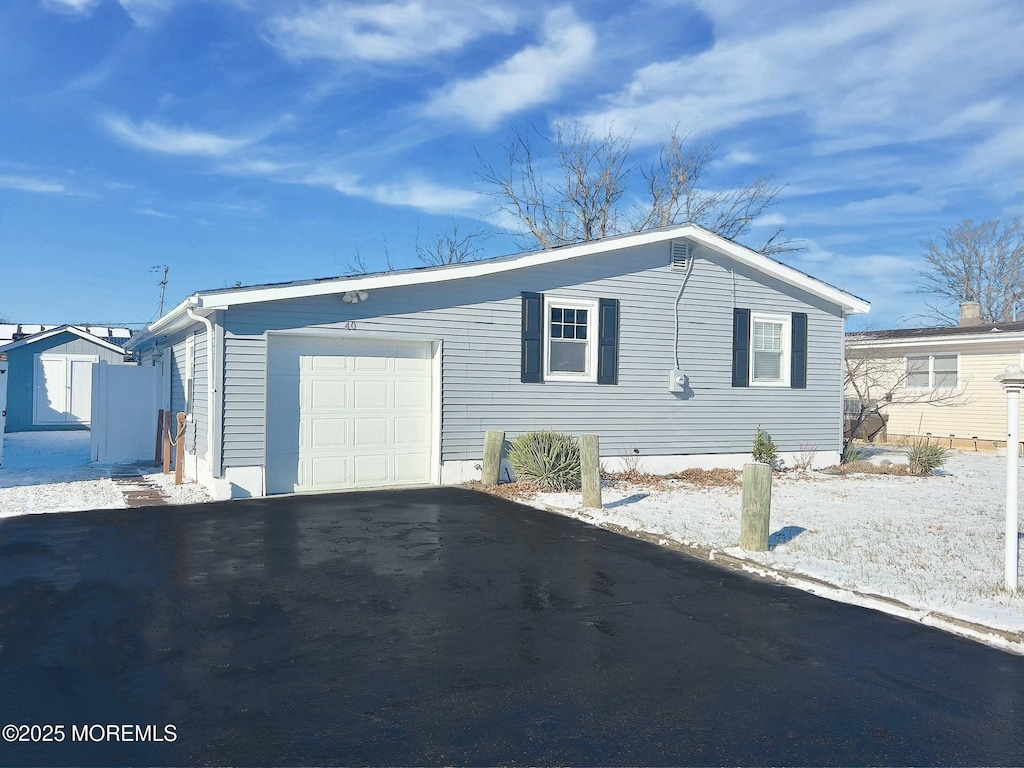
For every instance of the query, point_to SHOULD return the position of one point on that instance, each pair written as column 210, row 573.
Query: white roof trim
column 991, row 338
column 62, row 329
column 224, row 299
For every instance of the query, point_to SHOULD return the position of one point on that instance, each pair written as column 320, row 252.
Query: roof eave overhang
column 987, row 340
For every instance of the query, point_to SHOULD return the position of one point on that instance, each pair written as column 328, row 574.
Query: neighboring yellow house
column 938, row 381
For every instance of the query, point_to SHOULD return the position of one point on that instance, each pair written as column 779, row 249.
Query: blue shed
column 49, row 378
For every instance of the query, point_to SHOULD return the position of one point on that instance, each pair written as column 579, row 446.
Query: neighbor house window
column 932, row 371
column 571, row 343
column 769, row 350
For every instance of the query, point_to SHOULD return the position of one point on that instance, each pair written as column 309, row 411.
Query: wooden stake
column 757, row 505
column 159, row 437
column 494, row 443
column 590, row 469
column 179, row 458
column 168, row 432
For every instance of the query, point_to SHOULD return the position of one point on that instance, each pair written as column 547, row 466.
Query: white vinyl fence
column 125, row 402
column 3, row 403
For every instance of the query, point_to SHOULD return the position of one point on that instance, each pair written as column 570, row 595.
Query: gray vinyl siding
column 21, row 376
column 195, row 432
column 479, row 321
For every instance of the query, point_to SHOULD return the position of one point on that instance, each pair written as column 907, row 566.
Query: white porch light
column 1012, row 380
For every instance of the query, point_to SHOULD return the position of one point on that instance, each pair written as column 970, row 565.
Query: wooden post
column 757, row 505
column 168, row 432
column 590, row 470
column 159, row 437
column 494, row 443
column 179, row 457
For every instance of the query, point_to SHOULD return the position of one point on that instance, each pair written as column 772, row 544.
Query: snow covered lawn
column 934, row 543
column 51, row 472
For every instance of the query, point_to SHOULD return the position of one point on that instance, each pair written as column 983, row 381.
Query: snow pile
column 931, row 542
column 51, row 472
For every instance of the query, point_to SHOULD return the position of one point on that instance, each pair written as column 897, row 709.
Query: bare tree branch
column 451, row 247
column 583, row 196
column 977, row 262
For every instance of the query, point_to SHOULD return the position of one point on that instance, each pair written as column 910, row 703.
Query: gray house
column 49, row 376
column 672, row 343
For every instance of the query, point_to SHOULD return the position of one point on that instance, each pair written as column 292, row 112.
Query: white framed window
column 933, row 371
column 769, row 350
column 570, row 339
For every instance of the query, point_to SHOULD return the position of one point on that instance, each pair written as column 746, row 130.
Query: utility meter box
column 676, row 380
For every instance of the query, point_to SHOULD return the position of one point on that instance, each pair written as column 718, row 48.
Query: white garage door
column 344, row 413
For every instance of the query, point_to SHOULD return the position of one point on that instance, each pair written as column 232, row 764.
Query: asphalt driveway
column 441, row 626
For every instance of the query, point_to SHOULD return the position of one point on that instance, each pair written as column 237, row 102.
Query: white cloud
column 155, row 213
column 857, row 74
column 534, row 75
column 30, row 184
column 173, row 141
column 386, row 31
column 415, row 193
column 143, row 12
column 80, row 7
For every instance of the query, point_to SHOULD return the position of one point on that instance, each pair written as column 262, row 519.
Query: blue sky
column 257, row 141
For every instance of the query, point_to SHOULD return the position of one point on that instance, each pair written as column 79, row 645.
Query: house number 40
column 350, row 326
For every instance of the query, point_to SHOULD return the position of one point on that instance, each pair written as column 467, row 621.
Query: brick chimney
column 970, row 313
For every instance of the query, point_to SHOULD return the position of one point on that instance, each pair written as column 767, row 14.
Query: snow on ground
column 934, row 543
column 186, row 493
column 51, row 472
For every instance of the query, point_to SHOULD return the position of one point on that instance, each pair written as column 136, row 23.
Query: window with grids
column 769, row 350
column 918, row 374
column 570, row 339
column 932, row 371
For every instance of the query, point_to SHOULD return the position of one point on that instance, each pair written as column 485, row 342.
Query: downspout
column 209, row 382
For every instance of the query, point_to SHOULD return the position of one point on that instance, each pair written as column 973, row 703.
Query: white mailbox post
column 1012, row 380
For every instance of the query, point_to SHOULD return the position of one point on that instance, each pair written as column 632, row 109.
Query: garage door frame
column 342, row 336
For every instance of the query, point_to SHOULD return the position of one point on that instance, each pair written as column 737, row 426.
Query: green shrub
column 549, row 459
column 765, row 450
column 924, row 456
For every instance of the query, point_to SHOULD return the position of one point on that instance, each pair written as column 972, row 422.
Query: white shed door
column 347, row 414
column 63, row 389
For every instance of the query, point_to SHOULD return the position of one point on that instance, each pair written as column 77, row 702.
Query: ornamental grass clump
column 924, row 456
column 551, row 460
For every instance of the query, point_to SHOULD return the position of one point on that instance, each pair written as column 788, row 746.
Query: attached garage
column 345, row 413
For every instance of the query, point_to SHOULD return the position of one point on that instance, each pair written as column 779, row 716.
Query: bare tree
column 874, row 382
column 451, row 247
column 585, row 193
column 976, row 262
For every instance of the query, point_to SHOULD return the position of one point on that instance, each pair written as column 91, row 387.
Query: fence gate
column 125, row 401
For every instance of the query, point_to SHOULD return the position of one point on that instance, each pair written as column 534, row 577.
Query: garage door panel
column 412, row 467
column 328, row 472
column 410, row 430
column 371, row 469
column 326, row 394
column 372, row 393
column 345, row 413
column 411, row 394
column 329, row 433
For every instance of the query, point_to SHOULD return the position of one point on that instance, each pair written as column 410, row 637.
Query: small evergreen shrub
column 924, row 456
column 765, row 450
column 549, row 459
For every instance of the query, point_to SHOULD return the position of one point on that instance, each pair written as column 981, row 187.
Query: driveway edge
column 1003, row 639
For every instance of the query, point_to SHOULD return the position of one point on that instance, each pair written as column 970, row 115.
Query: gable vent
column 680, row 254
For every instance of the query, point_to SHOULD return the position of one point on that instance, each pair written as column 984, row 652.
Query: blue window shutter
column 798, row 358
column 608, row 342
column 532, row 364
column 740, row 347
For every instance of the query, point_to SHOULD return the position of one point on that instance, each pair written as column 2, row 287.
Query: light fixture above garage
column 354, row 297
